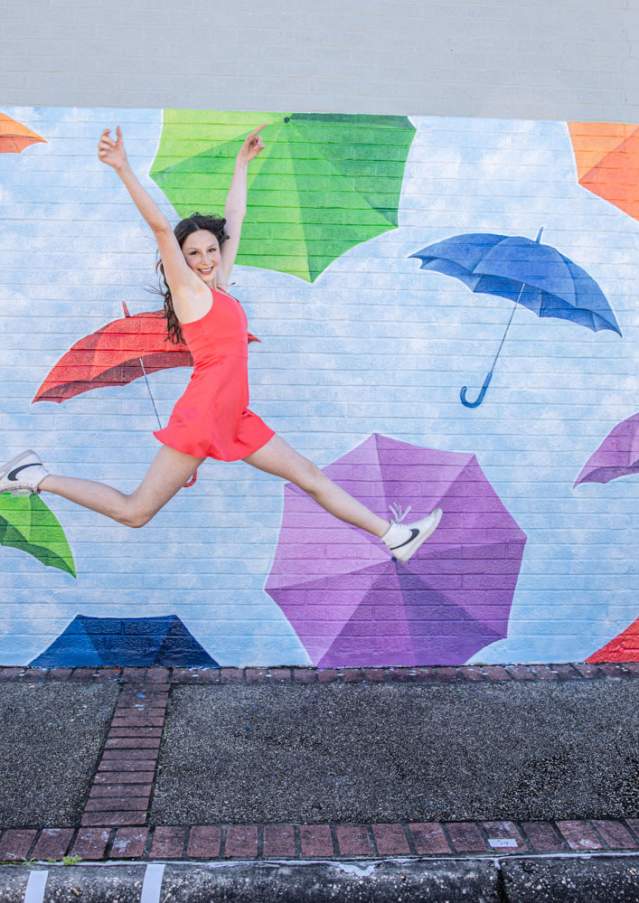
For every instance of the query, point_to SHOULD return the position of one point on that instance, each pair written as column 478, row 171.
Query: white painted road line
column 152, row 883
column 35, row 886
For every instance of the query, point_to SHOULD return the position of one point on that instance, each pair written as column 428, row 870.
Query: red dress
column 211, row 418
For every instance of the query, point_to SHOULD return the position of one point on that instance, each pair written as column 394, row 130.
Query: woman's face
column 201, row 250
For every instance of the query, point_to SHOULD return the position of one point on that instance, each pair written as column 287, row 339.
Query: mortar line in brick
column 598, row 834
column 333, row 832
column 372, row 839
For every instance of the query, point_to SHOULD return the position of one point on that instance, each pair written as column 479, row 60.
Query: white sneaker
column 22, row 474
column 403, row 544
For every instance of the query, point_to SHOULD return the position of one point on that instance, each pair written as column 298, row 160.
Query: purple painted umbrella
column 617, row 456
column 352, row 606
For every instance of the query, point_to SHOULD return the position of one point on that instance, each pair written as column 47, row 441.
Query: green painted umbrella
column 26, row 523
column 324, row 182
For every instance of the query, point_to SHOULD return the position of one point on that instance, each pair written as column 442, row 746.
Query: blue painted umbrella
column 528, row 272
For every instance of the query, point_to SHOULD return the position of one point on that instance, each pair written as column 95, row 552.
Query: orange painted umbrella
column 14, row 136
column 607, row 159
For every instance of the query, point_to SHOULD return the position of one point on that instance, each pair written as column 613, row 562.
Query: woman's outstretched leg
column 168, row 472
column 402, row 540
column 279, row 458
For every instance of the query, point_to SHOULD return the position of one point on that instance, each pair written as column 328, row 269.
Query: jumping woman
column 211, row 418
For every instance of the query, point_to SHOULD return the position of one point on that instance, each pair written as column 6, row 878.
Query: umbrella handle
column 480, row 397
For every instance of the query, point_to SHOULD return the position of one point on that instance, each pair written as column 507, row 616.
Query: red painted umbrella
column 116, row 354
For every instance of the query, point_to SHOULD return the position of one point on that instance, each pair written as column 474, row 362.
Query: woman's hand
column 252, row 145
column 112, row 152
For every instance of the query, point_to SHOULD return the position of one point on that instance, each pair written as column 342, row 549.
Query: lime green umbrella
column 324, row 182
column 26, row 523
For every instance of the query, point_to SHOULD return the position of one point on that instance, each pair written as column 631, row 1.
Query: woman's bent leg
column 277, row 457
column 168, row 472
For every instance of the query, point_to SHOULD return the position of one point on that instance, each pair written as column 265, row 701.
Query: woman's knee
column 134, row 515
column 308, row 476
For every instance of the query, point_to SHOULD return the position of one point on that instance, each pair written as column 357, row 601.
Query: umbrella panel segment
column 351, row 605
column 617, row 456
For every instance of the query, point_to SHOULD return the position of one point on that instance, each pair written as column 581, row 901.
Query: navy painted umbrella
column 528, row 272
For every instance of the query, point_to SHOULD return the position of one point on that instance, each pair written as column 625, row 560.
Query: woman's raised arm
column 113, row 154
column 235, row 208
column 176, row 270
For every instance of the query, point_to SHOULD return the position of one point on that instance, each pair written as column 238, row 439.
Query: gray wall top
column 570, row 59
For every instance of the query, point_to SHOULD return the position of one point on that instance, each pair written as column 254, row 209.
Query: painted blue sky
column 374, row 345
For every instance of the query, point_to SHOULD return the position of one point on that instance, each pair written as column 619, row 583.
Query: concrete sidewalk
column 432, row 764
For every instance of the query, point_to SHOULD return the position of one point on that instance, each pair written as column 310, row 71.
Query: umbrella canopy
column 352, row 605
column 114, row 355
column 532, row 274
column 15, row 137
column 126, row 642
column 617, row 456
column 26, row 523
column 607, row 159
column 324, row 183
column 622, row 648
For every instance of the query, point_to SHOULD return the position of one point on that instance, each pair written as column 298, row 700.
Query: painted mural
column 446, row 318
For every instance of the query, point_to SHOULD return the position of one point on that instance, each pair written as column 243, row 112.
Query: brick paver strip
column 615, row 835
column 633, row 824
column 304, row 675
column 133, row 742
column 353, row 840
column 543, row 837
column 520, row 672
column 466, row 837
column 113, row 819
column 168, row 842
column 327, row 675
column 504, row 830
column 468, row 672
column 52, row 843
column 205, row 842
column 59, row 673
column 129, row 843
column 587, row 669
column 16, row 842
column 352, row 675
column 144, row 757
column 117, row 804
column 429, row 838
column 91, row 843
column 496, row 672
column 241, row 840
column 279, row 840
column 231, row 675
column 99, row 791
column 125, row 776
column 390, row 839
column 316, row 840
column 7, row 673
column 580, row 835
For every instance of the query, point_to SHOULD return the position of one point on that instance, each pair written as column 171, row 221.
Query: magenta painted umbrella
column 617, row 456
column 351, row 605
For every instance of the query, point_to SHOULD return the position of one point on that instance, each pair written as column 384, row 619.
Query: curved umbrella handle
column 480, row 397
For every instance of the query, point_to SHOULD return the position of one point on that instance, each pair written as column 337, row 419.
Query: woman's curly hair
column 184, row 228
